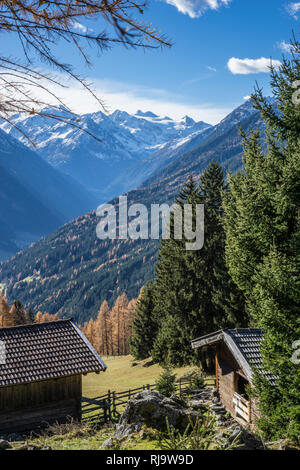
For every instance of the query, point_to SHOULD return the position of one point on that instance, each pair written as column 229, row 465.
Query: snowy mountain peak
column 188, row 121
column 148, row 114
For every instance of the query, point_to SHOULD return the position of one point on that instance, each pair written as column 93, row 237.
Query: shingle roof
column 244, row 344
column 44, row 351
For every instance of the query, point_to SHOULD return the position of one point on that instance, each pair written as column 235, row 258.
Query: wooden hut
column 41, row 376
column 237, row 353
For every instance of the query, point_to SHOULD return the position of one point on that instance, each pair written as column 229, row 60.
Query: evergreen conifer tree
column 262, row 221
column 143, row 326
column 30, row 316
column 192, row 289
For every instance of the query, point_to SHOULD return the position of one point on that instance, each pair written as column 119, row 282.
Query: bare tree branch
column 40, row 24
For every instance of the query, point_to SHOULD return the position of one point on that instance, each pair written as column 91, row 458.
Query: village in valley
column 167, row 319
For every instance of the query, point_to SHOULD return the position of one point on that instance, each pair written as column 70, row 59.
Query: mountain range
column 66, row 172
column 126, row 141
column 71, row 271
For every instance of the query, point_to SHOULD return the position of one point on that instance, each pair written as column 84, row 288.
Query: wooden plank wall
column 227, row 368
column 226, row 384
column 29, row 406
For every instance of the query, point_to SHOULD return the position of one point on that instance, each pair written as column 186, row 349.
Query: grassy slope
column 121, row 375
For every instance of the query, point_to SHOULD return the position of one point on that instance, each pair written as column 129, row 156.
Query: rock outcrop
column 151, row 409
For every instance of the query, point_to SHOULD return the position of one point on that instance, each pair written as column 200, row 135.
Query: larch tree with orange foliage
column 17, row 315
column 118, row 315
column 45, row 317
column 111, row 331
column 90, row 331
column 4, row 312
column 103, row 330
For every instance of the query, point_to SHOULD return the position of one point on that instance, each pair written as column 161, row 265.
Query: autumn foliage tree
column 12, row 316
column 4, row 312
column 16, row 315
column 45, row 317
column 110, row 333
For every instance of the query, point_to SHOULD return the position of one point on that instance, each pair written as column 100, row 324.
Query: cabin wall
column 227, row 369
column 31, row 406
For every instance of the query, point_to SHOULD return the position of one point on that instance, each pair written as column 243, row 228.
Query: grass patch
column 72, row 436
column 78, row 436
column 121, row 375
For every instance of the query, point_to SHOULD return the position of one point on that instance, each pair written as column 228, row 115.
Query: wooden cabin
column 41, row 377
column 237, row 352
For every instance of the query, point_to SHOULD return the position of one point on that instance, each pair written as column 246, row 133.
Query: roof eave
column 91, row 348
column 207, row 339
column 222, row 335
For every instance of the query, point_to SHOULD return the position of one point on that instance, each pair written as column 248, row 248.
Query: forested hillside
column 35, row 199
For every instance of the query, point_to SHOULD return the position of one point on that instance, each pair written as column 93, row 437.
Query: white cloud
column 293, row 8
column 212, row 69
column 196, row 8
column 247, row 66
column 80, row 27
column 286, row 47
column 246, row 98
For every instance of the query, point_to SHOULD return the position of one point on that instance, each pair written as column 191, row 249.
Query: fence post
column 148, row 387
column 114, row 402
column 105, row 411
column 180, row 386
column 129, row 394
column 109, row 405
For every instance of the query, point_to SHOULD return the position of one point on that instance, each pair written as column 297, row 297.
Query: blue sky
column 221, row 47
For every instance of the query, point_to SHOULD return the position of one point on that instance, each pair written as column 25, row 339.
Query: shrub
column 196, row 379
column 199, row 435
column 165, row 384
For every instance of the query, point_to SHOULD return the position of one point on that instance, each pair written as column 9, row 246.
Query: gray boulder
column 152, row 409
column 107, row 444
column 4, row 445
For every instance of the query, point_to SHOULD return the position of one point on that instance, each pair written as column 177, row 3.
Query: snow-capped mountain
column 154, row 131
column 125, row 140
column 186, row 140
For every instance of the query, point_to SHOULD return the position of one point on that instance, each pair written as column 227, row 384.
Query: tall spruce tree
column 189, row 285
column 30, row 316
column 176, row 292
column 143, row 327
column 262, row 220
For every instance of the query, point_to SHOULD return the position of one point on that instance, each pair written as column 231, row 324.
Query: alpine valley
column 71, row 271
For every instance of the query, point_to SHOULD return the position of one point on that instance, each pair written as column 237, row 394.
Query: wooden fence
column 108, row 407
